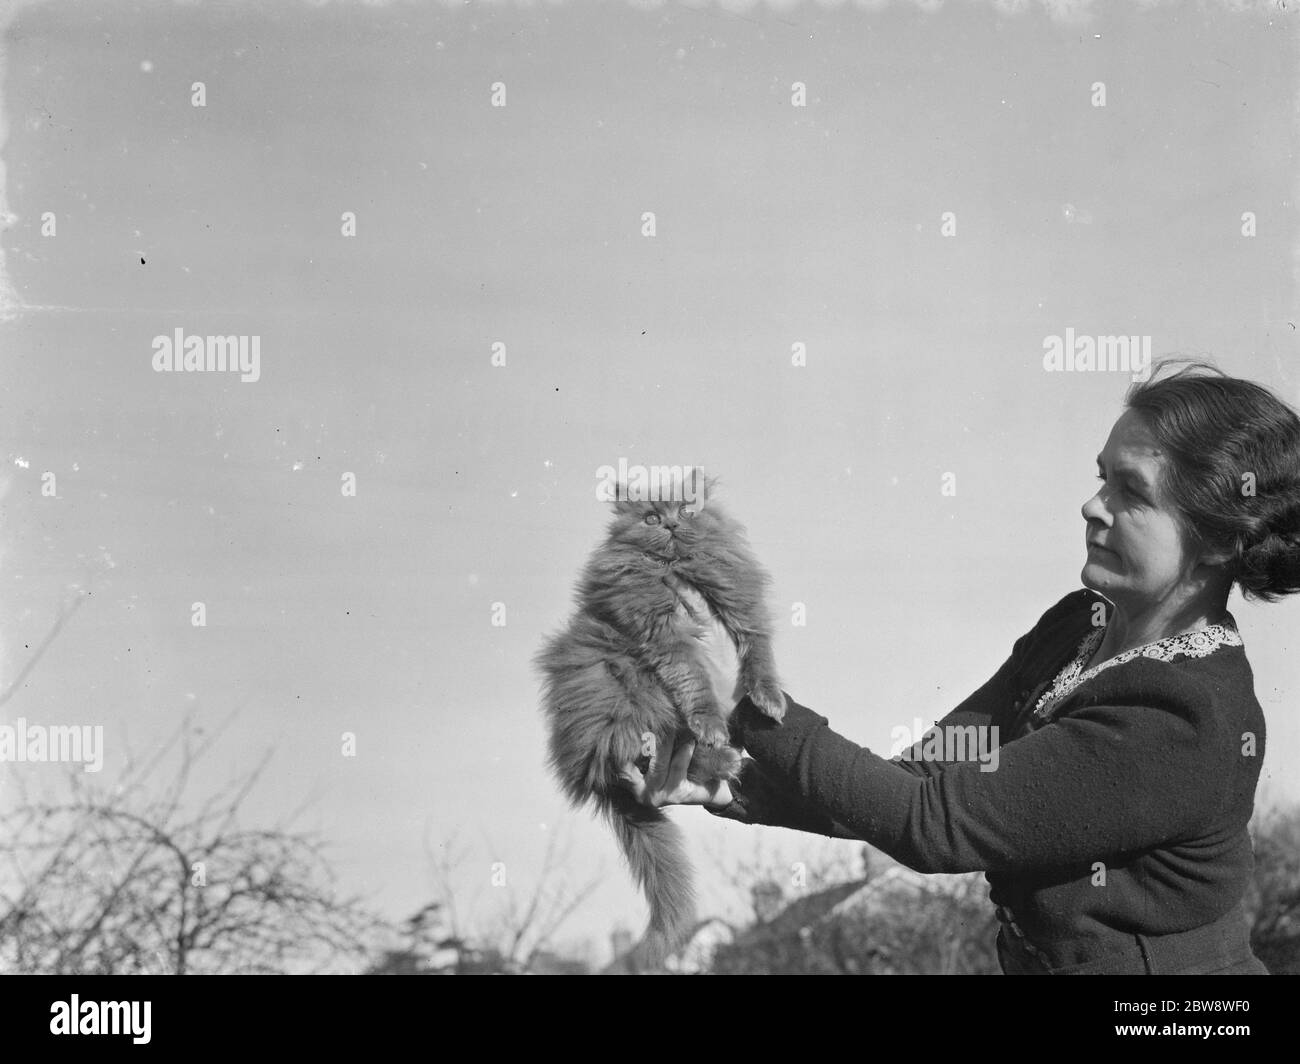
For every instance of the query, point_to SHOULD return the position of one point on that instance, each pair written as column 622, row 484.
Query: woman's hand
column 665, row 782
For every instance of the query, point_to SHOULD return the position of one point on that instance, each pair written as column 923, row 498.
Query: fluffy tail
column 653, row 847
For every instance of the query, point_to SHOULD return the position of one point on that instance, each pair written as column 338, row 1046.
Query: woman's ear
column 1207, row 554
column 1214, row 557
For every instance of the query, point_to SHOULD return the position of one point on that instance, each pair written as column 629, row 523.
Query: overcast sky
column 775, row 225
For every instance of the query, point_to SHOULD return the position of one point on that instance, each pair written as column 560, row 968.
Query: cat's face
column 666, row 529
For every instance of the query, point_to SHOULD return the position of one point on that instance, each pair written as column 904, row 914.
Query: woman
column 1113, row 830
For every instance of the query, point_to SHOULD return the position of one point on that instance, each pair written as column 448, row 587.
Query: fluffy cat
column 633, row 659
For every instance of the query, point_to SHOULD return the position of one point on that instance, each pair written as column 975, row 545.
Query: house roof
column 811, row 909
column 623, row 964
column 803, row 912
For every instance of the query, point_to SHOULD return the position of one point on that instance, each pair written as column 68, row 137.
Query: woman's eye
column 1123, row 489
column 651, row 519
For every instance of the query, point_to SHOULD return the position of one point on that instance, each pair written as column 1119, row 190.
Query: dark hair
column 1233, row 469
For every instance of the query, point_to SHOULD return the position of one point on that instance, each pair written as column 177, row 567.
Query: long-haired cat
column 633, row 659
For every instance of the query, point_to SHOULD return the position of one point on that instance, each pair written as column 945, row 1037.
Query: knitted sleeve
column 1141, row 767
column 758, row 798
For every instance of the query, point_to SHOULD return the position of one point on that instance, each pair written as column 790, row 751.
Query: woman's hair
column 1233, row 469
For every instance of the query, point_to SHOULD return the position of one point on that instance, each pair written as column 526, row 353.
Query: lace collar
column 1198, row 644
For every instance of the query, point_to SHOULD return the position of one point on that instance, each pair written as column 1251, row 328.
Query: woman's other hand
column 664, row 781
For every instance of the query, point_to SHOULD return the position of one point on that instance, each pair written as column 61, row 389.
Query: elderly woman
column 1113, row 830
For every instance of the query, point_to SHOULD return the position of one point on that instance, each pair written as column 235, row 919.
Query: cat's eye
column 686, row 512
column 651, row 519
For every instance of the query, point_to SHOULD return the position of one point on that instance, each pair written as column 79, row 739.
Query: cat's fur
column 632, row 661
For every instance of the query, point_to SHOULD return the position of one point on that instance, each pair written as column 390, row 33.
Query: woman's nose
column 1093, row 510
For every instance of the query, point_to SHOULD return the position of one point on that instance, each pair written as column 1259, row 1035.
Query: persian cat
column 634, row 659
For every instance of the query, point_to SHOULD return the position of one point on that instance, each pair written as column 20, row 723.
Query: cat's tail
column 655, row 853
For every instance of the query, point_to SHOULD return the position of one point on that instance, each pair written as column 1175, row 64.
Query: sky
column 949, row 196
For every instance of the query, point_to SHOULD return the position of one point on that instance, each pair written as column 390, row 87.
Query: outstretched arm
column 1101, row 780
column 760, row 798
column 767, row 800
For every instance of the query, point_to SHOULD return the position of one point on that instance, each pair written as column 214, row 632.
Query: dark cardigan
column 1124, row 813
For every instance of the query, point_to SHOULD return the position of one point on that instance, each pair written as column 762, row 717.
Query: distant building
column 428, row 947
column 781, row 943
column 694, row 957
column 777, row 922
column 451, row 956
column 544, row 962
column 782, row 924
column 398, row 962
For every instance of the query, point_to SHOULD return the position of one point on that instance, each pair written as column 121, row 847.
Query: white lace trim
column 1198, row 644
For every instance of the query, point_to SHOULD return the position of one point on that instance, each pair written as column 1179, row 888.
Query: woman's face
column 1137, row 551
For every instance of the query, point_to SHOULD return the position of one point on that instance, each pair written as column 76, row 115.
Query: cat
column 633, row 659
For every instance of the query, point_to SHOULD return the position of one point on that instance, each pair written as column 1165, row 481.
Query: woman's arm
column 760, row 799
column 1101, row 780
column 766, row 801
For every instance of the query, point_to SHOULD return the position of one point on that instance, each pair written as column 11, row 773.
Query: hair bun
column 1271, row 567
column 1214, row 429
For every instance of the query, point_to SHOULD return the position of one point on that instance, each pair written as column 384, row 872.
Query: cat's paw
column 710, row 731
column 714, row 763
column 768, row 696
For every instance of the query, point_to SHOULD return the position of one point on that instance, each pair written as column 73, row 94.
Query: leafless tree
column 133, row 878
column 530, row 922
column 525, row 922
column 127, row 879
